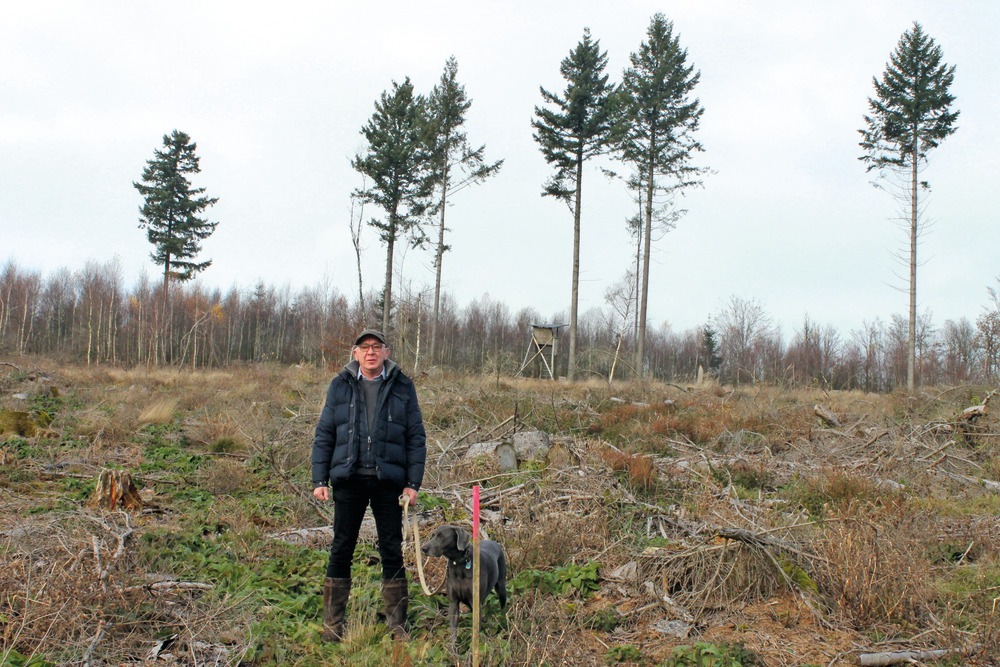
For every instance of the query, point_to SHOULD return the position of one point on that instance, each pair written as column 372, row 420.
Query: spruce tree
column 447, row 106
column 575, row 127
column 170, row 214
column 657, row 120
column 910, row 114
column 396, row 165
column 710, row 348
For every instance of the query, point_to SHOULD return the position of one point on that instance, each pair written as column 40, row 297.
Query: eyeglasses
column 371, row 346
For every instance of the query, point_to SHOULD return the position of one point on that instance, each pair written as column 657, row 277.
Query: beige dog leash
column 404, row 501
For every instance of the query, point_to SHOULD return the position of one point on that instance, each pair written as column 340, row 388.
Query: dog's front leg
column 453, row 610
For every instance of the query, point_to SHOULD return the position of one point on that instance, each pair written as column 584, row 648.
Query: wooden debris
column 305, row 536
column 168, row 586
column 937, row 451
column 985, row 483
column 763, row 541
column 972, row 414
column 474, row 429
column 826, row 415
column 627, row 572
column 967, row 423
column 666, row 602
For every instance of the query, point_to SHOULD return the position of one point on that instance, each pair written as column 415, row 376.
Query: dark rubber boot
column 335, row 595
column 397, row 600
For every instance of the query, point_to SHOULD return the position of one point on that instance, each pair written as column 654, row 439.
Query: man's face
column 371, row 354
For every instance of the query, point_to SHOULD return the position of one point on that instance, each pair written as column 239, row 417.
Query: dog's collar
column 465, row 562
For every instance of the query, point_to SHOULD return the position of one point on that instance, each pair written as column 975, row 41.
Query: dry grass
column 876, row 574
column 78, row 595
column 639, row 469
column 756, row 520
column 158, row 412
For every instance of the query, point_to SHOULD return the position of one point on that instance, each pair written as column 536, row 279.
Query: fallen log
column 826, row 414
column 975, row 481
column 972, row 414
column 897, row 657
column 168, row 586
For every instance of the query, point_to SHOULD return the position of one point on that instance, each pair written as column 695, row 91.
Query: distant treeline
column 90, row 317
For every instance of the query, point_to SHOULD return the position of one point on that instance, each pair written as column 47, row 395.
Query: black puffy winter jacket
column 398, row 436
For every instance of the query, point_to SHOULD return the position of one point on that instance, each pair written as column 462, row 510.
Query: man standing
column 369, row 449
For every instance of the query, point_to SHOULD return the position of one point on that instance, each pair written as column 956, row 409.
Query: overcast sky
column 275, row 95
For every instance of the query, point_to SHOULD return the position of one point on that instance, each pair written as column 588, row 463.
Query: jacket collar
column 353, row 369
column 381, row 376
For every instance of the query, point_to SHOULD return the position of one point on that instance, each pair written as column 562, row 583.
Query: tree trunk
column 416, row 352
column 110, row 347
column 356, row 240
column 912, row 334
column 640, row 351
column 90, row 328
column 100, row 324
column 575, row 292
column 387, row 292
column 437, row 266
column 22, row 341
column 638, row 270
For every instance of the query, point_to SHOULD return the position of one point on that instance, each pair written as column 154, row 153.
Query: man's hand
column 412, row 495
column 322, row 493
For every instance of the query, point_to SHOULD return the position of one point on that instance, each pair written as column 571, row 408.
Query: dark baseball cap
column 370, row 333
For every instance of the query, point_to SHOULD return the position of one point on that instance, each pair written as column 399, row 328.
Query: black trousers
column 350, row 500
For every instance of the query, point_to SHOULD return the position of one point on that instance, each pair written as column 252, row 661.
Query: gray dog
column 455, row 544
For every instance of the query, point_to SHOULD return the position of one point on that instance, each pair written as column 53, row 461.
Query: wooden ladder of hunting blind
column 544, row 345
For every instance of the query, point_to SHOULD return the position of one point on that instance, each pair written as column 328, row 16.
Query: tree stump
column 115, row 490
column 507, row 456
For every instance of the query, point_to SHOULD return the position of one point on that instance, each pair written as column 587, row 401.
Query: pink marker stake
column 475, row 576
column 475, row 512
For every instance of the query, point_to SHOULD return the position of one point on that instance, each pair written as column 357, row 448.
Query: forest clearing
column 658, row 525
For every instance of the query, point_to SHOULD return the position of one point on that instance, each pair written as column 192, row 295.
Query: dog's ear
column 463, row 540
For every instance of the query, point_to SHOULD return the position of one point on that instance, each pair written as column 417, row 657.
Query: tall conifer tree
column 447, row 106
column 573, row 128
column 396, row 164
column 655, row 134
column 170, row 214
column 910, row 114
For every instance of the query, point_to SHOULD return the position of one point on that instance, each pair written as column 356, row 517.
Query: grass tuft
column 158, row 412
